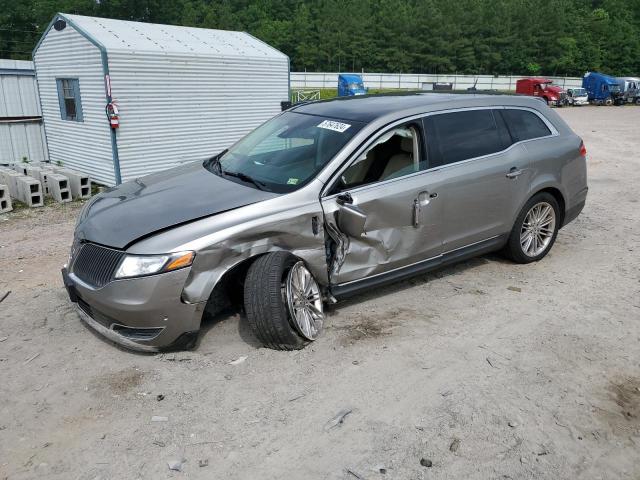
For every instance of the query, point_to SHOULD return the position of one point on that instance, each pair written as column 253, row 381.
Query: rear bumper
column 144, row 314
column 572, row 212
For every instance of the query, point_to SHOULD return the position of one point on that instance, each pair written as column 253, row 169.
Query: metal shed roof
column 121, row 35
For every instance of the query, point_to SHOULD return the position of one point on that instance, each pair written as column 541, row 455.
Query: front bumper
column 145, row 314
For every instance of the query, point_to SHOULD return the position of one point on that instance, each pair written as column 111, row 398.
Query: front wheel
column 283, row 302
column 535, row 229
column 608, row 102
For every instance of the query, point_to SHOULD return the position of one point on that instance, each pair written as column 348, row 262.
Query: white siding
column 177, row 108
column 86, row 145
column 20, row 139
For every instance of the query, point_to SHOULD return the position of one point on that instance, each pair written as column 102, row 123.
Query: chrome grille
column 96, row 265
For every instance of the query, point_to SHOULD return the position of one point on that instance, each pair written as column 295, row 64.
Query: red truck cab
column 543, row 88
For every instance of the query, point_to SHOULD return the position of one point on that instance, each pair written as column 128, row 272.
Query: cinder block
column 21, row 168
column 39, row 174
column 30, row 191
column 5, row 199
column 79, row 182
column 59, row 187
column 10, row 179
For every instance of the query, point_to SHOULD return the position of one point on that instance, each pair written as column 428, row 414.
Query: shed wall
column 179, row 108
column 21, row 130
column 84, row 146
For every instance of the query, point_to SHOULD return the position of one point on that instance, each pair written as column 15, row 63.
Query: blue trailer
column 602, row 89
column 350, row 84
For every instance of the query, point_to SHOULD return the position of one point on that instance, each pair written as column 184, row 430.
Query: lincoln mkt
column 123, row 99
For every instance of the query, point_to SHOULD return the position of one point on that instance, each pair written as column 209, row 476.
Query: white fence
column 418, row 81
column 21, row 130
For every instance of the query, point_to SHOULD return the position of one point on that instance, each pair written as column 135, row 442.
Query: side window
column 69, row 99
column 394, row 154
column 457, row 136
column 525, row 125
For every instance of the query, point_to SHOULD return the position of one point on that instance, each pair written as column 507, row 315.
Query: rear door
column 484, row 174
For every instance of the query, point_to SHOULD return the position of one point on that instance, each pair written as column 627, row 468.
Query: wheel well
column 559, row 198
column 229, row 291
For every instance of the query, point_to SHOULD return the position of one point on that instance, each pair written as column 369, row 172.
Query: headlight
column 140, row 265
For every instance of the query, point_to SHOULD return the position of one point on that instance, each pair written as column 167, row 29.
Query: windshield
column 284, row 153
column 614, row 88
column 356, row 86
column 579, row 92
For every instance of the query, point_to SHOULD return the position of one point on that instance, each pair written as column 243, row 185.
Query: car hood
column 135, row 209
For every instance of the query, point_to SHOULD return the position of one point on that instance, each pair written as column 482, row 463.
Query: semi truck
column 602, row 89
column 542, row 88
column 630, row 87
column 350, row 84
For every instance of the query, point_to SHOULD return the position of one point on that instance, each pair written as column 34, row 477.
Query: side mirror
column 351, row 220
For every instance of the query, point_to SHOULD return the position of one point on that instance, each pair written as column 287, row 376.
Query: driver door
column 383, row 212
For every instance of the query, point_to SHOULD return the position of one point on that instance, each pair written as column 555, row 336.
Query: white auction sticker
column 335, row 126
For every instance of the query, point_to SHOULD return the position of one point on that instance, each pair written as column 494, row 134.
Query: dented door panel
column 402, row 226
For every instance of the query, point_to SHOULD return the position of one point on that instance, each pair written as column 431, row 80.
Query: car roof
column 367, row 108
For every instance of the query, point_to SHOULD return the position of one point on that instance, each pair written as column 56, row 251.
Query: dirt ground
column 486, row 370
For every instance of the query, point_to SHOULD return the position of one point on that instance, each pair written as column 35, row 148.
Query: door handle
column 514, row 172
column 423, row 199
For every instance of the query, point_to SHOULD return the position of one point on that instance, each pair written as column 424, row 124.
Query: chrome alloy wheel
column 304, row 301
column 537, row 229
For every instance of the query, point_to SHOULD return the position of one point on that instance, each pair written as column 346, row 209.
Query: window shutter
column 63, row 110
column 76, row 93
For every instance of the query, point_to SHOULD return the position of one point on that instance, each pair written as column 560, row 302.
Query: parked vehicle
column 630, row 87
column 602, row 89
column 542, row 88
column 323, row 201
column 350, row 84
column 577, row 97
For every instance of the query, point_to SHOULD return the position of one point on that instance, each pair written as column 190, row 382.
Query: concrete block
column 39, row 174
column 5, row 199
column 79, row 182
column 30, row 191
column 59, row 187
column 21, row 168
column 10, row 179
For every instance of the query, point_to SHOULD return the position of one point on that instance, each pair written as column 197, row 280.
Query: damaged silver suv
column 323, row 201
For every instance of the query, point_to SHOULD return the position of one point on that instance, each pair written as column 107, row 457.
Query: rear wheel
column 535, row 229
column 283, row 302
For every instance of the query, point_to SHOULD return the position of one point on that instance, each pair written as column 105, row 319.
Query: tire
column 266, row 301
column 515, row 248
column 638, row 101
column 608, row 102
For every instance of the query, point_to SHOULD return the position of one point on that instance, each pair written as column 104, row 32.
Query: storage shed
column 182, row 93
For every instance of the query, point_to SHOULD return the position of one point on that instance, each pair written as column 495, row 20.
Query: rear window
column 457, row 136
column 525, row 125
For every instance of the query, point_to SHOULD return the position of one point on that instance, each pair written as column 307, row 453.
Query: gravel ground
column 485, row 370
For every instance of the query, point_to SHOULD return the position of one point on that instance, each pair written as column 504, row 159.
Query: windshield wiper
column 245, row 178
column 213, row 164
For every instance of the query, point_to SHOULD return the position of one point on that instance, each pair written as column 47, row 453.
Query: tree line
column 548, row 37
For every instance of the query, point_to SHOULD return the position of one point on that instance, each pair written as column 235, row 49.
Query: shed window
column 69, row 99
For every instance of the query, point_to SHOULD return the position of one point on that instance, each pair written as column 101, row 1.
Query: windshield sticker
column 292, row 181
column 335, row 126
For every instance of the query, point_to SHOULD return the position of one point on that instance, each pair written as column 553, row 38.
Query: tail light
column 583, row 150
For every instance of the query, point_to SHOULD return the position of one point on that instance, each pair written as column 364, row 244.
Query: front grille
column 96, row 265
column 138, row 333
